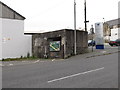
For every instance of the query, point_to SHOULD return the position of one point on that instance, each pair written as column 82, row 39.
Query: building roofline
column 113, row 20
column 31, row 33
column 12, row 10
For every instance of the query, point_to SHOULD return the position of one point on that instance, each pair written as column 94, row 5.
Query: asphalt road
column 75, row 72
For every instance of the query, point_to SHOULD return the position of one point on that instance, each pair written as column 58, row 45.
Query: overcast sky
column 59, row 14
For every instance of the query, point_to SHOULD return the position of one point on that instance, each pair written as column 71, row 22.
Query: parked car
column 91, row 42
column 115, row 42
column 118, row 42
column 112, row 43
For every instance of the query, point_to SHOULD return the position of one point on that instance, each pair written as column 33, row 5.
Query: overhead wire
column 47, row 10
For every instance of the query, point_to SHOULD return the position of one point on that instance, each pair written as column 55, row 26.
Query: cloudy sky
column 45, row 15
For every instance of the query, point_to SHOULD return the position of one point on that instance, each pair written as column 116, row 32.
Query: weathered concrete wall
column 81, row 43
column 41, row 43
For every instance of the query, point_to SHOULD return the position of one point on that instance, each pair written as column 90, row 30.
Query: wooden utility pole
column 85, row 15
column 75, row 27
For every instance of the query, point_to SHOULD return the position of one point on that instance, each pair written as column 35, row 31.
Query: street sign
column 99, row 35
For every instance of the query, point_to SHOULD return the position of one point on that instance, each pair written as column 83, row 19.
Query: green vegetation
column 25, row 58
column 21, row 58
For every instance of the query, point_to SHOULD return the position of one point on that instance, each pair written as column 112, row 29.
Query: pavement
column 96, row 52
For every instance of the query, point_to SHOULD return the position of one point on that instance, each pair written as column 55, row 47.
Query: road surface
column 75, row 72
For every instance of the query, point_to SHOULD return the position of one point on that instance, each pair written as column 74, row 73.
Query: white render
column 14, row 43
column 115, row 34
column 0, row 40
column 0, row 32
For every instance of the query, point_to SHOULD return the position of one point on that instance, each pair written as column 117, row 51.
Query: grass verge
column 20, row 59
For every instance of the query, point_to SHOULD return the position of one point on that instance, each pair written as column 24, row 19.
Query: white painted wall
column 115, row 34
column 0, row 32
column 0, row 38
column 15, row 44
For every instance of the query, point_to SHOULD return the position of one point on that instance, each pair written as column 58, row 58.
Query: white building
column 13, row 42
column 114, row 26
column 115, row 34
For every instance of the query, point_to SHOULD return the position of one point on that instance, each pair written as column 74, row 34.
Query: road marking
column 10, row 64
column 103, row 51
column 36, row 61
column 53, row 60
column 54, row 80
